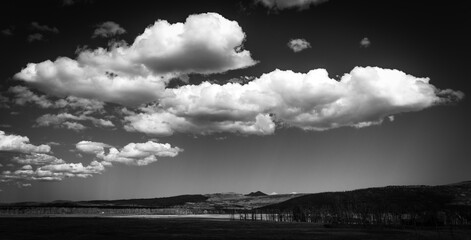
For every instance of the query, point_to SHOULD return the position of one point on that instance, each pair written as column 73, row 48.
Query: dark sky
column 272, row 133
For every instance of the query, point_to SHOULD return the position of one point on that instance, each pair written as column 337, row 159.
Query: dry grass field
column 51, row 228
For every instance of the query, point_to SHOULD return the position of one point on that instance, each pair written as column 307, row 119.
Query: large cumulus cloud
column 205, row 43
column 209, row 43
column 131, row 75
column 310, row 101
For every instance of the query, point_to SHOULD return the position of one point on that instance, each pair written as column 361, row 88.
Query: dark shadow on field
column 207, row 229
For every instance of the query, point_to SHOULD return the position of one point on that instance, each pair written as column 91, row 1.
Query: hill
column 148, row 202
column 215, row 202
column 390, row 197
column 256, row 194
column 164, row 202
column 391, row 204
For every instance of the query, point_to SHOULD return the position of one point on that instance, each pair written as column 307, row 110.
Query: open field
column 201, row 228
column 190, row 216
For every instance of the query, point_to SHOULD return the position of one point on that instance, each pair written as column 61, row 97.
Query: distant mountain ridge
column 210, row 202
column 456, row 194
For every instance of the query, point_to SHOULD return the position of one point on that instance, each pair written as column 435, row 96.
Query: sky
column 142, row 99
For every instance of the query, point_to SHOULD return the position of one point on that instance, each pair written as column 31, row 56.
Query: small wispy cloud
column 4, row 101
column 68, row 3
column 365, row 42
column 298, row 45
column 35, row 37
column 36, row 159
column 53, row 144
column 43, row 28
column 108, row 29
column 23, row 185
column 287, row 4
column 8, row 31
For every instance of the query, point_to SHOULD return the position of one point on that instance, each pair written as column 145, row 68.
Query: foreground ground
column 207, row 229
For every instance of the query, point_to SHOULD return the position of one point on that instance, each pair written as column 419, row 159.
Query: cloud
column 22, row 95
column 139, row 154
column 286, row 4
column 136, row 74
column 108, row 29
column 7, row 32
column 36, row 165
column 37, row 159
column 69, row 77
column 309, row 101
column 27, row 167
column 16, row 143
column 35, row 37
column 365, row 42
column 448, row 96
column 95, row 167
column 131, row 75
column 241, row 79
column 205, row 43
column 75, row 126
column 54, row 172
column 81, row 107
column 82, row 104
column 68, row 3
column 25, row 185
column 297, row 45
column 69, row 121
column 92, row 147
column 43, row 28
column 4, row 102
column 39, row 36
column 162, row 123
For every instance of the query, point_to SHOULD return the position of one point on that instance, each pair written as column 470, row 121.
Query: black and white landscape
column 323, row 119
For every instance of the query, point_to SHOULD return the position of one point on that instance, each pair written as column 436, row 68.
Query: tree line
column 425, row 206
